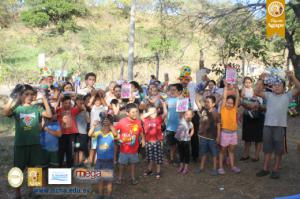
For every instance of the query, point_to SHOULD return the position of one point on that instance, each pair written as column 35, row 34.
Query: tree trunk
column 122, row 68
column 131, row 41
column 157, row 65
column 243, row 65
column 295, row 59
column 201, row 60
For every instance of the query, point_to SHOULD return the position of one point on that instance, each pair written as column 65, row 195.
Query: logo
column 276, row 9
column 59, row 176
column 35, row 176
column 27, row 118
column 83, row 174
column 15, row 177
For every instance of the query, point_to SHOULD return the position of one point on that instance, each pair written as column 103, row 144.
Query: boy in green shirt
column 27, row 148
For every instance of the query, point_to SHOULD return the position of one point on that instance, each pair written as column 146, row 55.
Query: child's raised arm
column 296, row 82
column 92, row 129
column 199, row 101
column 259, row 89
column 237, row 100
column 225, row 92
column 114, row 131
column 47, row 113
column 8, row 108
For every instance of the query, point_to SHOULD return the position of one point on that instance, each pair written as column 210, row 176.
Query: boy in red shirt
column 154, row 138
column 66, row 115
column 130, row 129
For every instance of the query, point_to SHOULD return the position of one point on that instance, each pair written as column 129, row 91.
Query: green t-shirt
column 27, row 124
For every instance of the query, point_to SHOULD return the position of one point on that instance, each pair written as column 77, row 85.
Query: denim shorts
column 207, row 145
column 127, row 158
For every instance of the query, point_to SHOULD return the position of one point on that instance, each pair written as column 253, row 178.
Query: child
column 209, row 132
column 228, row 139
column 66, row 116
column 98, row 107
column 172, row 119
column 130, row 130
column 253, row 119
column 105, row 151
column 183, row 134
column 275, row 123
column 27, row 148
column 49, row 140
column 81, row 144
column 154, row 138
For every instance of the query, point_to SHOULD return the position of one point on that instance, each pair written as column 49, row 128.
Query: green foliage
column 60, row 13
column 37, row 19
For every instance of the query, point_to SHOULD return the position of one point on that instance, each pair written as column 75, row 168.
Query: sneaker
column 221, row 171
column 214, row 172
column 274, row 175
column 179, row 170
column 185, row 171
column 262, row 173
column 236, row 170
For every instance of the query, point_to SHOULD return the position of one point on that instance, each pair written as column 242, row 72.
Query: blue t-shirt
column 105, row 146
column 173, row 116
column 48, row 141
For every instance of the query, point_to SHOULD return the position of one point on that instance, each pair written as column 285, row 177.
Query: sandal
column 157, row 175
column 147, row 173
column 134, row 182
column 118, row 182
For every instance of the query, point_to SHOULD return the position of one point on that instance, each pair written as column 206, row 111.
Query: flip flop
column 147, row 173
column 134, row 182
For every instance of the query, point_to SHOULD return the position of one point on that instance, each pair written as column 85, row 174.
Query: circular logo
column 276, row 9
column 15, row 177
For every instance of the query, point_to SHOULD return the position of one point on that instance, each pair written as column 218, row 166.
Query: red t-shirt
column 67, row 120
column 153, row 130
column 130, row 131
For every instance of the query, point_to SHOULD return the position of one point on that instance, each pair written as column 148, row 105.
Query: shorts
column 228, row 138
column 273, row 139
column 108, row 165
column 171, row 140
column 127, row 158
column 154, row 152
column 28, row 156
column 81, row 142
column 51, row 158
column 207, row 145
column 104, row 164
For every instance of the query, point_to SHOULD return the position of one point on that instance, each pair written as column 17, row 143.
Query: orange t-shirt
column 229, row 118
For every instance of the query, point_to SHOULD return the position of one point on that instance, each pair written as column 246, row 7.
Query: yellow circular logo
column 15, row 177
column 276, row 9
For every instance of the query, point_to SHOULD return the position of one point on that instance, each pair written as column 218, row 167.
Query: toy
column 292, row 109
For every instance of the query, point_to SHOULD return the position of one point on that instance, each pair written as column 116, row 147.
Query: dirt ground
column 235, row 186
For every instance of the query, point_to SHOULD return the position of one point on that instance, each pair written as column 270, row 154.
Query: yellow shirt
column 229, row 118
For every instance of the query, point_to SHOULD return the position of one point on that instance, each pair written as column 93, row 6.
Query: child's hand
column 93, row 92
column 96, row 123
column 290, row 74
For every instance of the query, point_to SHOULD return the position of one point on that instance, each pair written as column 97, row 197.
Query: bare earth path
column 240, row 186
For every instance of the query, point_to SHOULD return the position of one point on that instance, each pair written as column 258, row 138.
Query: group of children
column 94, row 128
